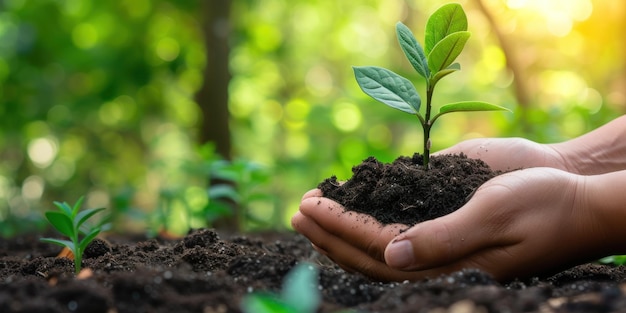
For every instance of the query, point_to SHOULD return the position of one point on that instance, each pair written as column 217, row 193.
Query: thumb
column 442, row 241
column 424, row 246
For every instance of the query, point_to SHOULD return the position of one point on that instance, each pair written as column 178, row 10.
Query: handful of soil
column 405, row 192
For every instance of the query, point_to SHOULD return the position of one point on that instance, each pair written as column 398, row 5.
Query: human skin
column 565, row 207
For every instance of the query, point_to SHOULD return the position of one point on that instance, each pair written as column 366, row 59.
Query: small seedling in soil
column 299, row 294
column 445, row 38
column 614, row 259
column 71, row 223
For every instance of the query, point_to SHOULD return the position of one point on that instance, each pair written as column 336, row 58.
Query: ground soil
column 204, row 272
column 404, row 191
column 211, row 272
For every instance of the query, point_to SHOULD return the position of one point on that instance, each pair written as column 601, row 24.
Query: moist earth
column 211, row 272
column 404, row 191
column 204, row 272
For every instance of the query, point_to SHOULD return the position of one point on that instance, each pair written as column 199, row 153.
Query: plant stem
column 427, row 125
column 77, row 253
column 78, row 260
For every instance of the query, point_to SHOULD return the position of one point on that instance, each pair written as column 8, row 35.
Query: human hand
column 518, row 224
column 507, row 154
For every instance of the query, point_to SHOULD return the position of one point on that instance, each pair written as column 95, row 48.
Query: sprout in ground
column 300, row 294
column 71, row 223
column 445, row 37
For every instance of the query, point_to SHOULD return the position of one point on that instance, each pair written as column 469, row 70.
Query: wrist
column 599, row 151
column 572, row 157
column 607, row 201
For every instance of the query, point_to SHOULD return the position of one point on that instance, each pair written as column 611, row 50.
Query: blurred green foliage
column 98, row 96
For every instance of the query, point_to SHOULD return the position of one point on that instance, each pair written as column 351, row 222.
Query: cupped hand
column 508, row 154
column 518, row 224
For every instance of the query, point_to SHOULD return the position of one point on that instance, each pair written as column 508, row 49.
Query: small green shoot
column 445, row 37
column 71, row 223
column 614, row 259
column 299, row 294
column 241, row 186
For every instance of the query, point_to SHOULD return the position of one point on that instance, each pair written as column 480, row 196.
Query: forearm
column 607, row 200
column 600, row 151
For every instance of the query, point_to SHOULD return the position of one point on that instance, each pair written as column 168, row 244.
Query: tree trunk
column 213, row 95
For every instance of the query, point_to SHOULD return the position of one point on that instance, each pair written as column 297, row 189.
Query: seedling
column 240, row 189
column 71, row 223
column 614, row 259
column 299, row 294
column 445, row 37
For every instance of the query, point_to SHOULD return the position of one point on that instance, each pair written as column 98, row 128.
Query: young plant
column 445, row 37
column 71, row 223
column 240, row 189
column 614, row 259
column 299, row 294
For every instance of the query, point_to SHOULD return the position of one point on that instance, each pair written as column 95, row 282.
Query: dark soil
column 205, row 273
column 405, row 192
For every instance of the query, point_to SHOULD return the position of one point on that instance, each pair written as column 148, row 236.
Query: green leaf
column 260, row 303
column 224, row 170
column 300, row 288
column 77, row 205
column 469, row 106
column 446, row 51
column 83, row 216
column 62, row 223
column 412, row 49
column 216, row 209
column 60, row 242
column 443, row 73
column 619, row 259
column 88, row 238
column 223, row 191
column 448, row 19
column 614, row 259
column 64, row 207
column 388, row 88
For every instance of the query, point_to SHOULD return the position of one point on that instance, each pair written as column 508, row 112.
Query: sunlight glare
column 42, row 151
column 297, row 110
column 591, row 100
column 297, row 144
column 5, row 188
column 559, row 24
column 346, row 116
column 97, row 199
column 167, row 49
column 559, row 15
column 33, row 187
column 85, row 36
column 516, row 4
column 319, row 81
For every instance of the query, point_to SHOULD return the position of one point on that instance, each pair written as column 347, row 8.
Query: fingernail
column 399, row 254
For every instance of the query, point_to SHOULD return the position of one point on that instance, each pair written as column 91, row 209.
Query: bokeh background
column 161, row 109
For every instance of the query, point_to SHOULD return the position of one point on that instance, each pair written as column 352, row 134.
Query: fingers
column 361, row 230
column 342, row 247
column 312, row 193
column 346, row 255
